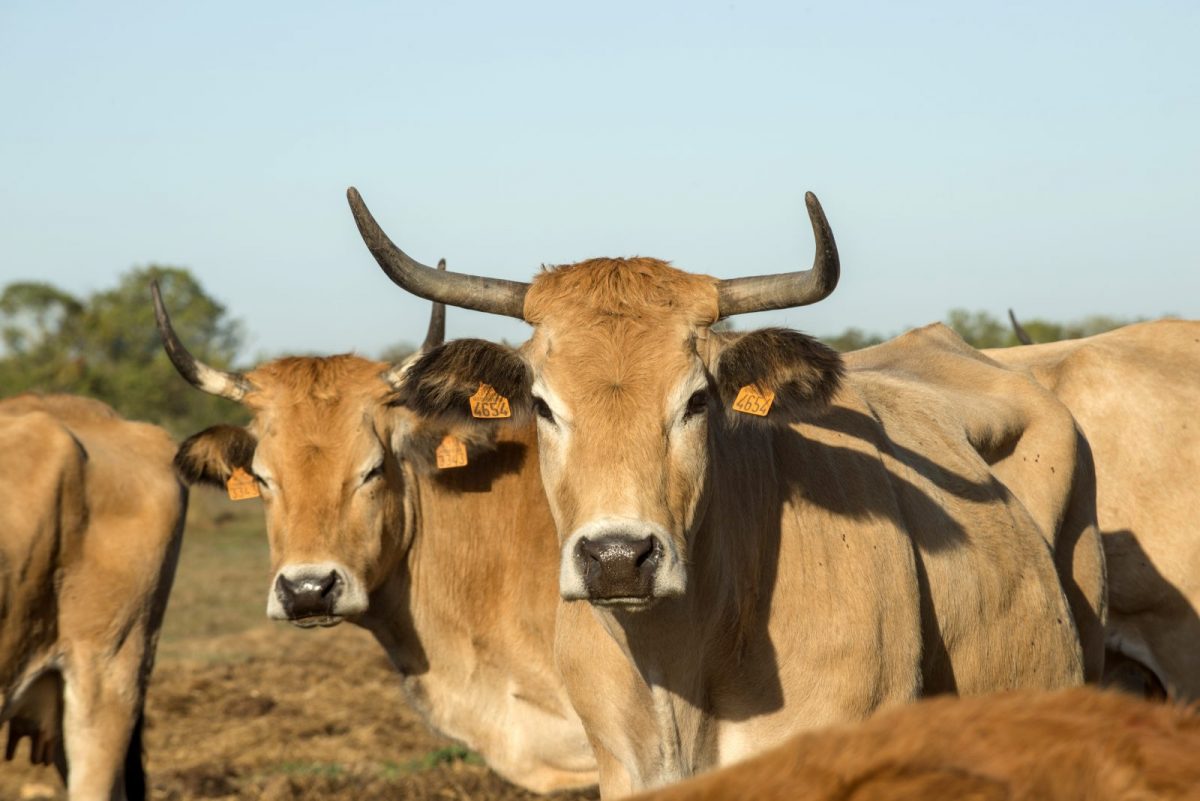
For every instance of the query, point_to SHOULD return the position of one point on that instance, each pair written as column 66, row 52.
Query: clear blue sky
column 1040, row 155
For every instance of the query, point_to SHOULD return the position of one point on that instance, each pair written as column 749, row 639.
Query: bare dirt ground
column 239, row 708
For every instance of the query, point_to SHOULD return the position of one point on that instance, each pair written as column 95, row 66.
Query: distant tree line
column 106, row 346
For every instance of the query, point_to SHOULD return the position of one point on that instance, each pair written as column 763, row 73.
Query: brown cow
column 363, row 526
column 773, row 539
column 1135, row 392
column 1021, row 746
column 92, row 515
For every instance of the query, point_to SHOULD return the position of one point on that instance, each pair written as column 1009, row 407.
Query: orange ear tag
column 451, row 453
column 488, row 404
column 754, row 400
column 241, row 485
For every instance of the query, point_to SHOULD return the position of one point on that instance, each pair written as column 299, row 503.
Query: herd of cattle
column 637, row 547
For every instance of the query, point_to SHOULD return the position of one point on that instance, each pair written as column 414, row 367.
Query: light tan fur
column 459, row 564
column 1021, row 746
column 93, row 516
column 903, row 543
column 1135, row 392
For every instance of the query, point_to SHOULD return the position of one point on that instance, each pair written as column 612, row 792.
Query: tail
column 1022, row 335
column 135, row 771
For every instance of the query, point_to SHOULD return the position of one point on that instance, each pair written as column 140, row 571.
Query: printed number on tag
column 488, row 404
column 241, row 486
column 451, row 453
column 754, row 400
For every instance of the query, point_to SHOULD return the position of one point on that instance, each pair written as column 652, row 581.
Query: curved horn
column 492, row 295
column 785, row 290
column 437, row 321
column 213, row 381
column 1019, row 330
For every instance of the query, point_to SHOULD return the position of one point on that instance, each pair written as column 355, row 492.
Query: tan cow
column 91, row 515
column 1022, row 746
column 452, row 569
column 888, row 528
column 1135, row 392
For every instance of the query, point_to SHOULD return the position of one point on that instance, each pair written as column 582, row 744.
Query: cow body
column 451, row 570
column 901, row 544
column 94, row 519
column 1021, row 746
column 932, row 530
column 1135, row 392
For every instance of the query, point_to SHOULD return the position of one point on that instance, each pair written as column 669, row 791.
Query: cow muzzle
column 315, row 595
column 627, row 565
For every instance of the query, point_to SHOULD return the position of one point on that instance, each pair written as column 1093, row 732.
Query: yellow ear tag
column 488, row 404
column 241, row 485
column 451, row 453
column 754, row 400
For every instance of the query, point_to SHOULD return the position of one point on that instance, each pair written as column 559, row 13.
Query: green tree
column 108, row 347
column 852, row 339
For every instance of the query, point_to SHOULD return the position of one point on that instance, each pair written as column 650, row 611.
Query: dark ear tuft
column 440, row 383
column 211, row 456
column 803, row 373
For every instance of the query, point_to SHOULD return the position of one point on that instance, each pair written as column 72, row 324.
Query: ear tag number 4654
column 755, row 400
column 488, row 404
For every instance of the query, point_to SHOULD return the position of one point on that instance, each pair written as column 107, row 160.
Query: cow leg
column 100, row 714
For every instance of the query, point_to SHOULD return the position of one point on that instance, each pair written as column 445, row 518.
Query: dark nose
column 308, row 596
column 616, row 567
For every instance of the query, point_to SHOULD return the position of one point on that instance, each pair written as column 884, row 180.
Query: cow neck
column 470, row 618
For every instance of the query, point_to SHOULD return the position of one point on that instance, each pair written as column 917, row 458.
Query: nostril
column 589, row 550
column 328, row 583
column 645, row 550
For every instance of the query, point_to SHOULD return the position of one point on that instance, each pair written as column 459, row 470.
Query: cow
column 1019, row 746
column 1135, row 391
column 364, row 526
column 90, row 528
column 771, row 538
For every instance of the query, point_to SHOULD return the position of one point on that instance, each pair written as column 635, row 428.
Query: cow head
column 327, row 450
column 632, row 389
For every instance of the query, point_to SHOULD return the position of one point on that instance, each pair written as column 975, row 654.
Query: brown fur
column 903, row 542
column 91, row 610
column 211, row 456
column 441, row 382
column 1076, row 744
column 803, row 373
column 468, row 624
column 1135, row 392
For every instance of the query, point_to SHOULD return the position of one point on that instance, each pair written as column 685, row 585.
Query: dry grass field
column 240, row 708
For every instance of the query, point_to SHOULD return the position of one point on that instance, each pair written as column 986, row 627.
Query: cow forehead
column 638, row 288
column 317, row 410
column 618, row 330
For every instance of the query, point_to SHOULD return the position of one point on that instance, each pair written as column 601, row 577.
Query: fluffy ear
column 211, row 456
column 803, row 373
column 440, row 383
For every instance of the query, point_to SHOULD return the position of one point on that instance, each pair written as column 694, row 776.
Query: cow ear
column 211, row 456
column 802, row 373
column 439, row 384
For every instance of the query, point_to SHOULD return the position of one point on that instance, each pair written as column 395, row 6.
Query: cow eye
column 374, row 473
column 697, row 404
column 542, row 409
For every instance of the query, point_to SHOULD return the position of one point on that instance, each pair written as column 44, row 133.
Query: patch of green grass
column 442, row 756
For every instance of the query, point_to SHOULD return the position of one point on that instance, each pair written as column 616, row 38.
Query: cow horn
column 1019, row 330
column 492, row 295
column 785, row 290
column 437, row 321
column 213, row 381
